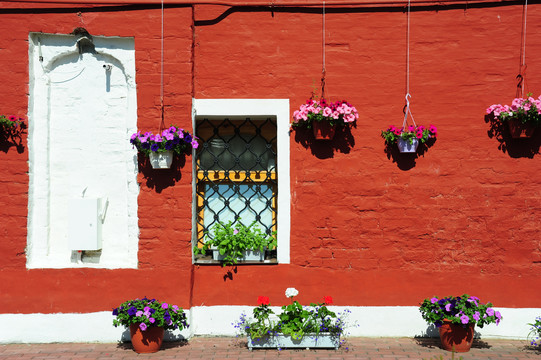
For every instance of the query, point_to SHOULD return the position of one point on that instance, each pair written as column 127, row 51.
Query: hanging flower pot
column 323, row 130
column 407, row 145
column 147, row 341
column 160, row 147
column 324, row 117
column 520, row 130
column 522, row 116
column 456, row 337
column 408, row 138
column 161, row 160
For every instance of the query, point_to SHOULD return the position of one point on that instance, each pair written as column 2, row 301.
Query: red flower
column 263, row 300
column 327, row 300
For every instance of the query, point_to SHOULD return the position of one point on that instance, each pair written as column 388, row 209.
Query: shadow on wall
column 160, row 179
column 13, row 138
column 515, row 148
column 406, row 161
column 343, row 142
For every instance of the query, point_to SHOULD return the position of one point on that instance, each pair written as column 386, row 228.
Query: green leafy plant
column 463, row 310
column 295, row 320
column 421, row 133
column 535, row 332
column 232, row 240
column 149, row 312
column 526, row 110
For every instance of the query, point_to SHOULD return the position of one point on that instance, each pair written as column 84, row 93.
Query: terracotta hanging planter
column 520, row 130
column 148, row 341
column 456, row 337
column 323, row 130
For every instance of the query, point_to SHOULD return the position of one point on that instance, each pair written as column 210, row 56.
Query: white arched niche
column 82, row 111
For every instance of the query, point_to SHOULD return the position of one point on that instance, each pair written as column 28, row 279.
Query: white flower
column 290, row 292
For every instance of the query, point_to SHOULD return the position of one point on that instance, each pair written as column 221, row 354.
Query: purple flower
column 490, row 311
column 434, row 300
column 464, row 319
column 154, row 147
column 476, row 316
column 132, row 311
column 165, row 306
column 448, row 307
column 188, row 138
column 115, row 311
column 143, row 326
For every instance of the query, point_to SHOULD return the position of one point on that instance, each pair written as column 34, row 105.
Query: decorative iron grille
column 236, row 174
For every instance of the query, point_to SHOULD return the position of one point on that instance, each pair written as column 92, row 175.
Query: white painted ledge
column 373, row 321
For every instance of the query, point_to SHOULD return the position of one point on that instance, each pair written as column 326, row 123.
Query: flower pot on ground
column 535, row 332
column 308, row 341
column 408, row 138
column 148, row 341
column 231, row 242
column 456, row 337
column 458, row 315
column 297, row 326
column 523, row 116
column 147, row 319
column 324, row 117
column 160, row 148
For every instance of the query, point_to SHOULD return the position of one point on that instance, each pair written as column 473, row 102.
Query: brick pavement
column 218, row 348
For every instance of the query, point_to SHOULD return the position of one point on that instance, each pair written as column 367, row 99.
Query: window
column 239, row 167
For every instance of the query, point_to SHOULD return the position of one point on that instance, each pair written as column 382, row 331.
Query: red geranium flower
column 327, row 300
column 263, row 300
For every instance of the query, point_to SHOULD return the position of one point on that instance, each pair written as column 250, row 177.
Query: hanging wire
column 162, row 123
column 407, row 109
column 522, row 69
column 323, row 69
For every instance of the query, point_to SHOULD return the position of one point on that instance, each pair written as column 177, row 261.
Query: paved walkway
column 218, row 348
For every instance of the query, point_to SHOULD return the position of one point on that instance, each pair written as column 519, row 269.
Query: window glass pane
column 248, row 202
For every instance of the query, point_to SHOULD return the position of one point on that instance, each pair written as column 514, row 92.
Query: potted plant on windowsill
column 297, row 326
column 231, row 243
column 407, row 138
column 523, row 116
column 160, row 148
column 323, row 117
column 147, row 319
column 456, row 317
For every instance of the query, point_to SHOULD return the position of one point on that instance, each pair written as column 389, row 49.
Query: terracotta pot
column 323, row 130
column 519, row 130
column 456, row 337
column 148, row 341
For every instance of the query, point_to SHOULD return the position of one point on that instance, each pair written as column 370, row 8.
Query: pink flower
column 327, row 112
column 335, row 115
column 490, row 311
column 419, row 135
column 195, row 144
column 143, row 326
column 476, row 316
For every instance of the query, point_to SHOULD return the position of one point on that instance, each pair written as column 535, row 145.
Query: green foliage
column 149, row 312
column 11, row 126
column 535, row 332
column 463, row 310
column 233, row 240
column 295, row 320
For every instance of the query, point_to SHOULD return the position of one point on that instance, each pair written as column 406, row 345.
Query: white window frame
column 278, row 108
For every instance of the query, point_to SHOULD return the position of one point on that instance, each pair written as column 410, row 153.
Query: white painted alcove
column 82, row 110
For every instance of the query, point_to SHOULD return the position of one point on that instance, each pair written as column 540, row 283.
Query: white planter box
column 308, row 341
column 248, row 255
column 162, row 160
column 404, row 146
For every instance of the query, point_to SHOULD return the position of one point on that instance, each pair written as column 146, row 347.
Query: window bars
column 236, row 174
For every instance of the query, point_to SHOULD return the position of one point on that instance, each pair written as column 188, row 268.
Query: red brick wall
column 365, row 228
